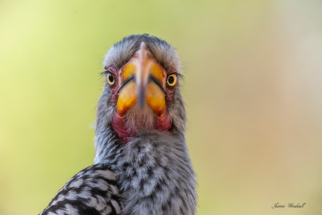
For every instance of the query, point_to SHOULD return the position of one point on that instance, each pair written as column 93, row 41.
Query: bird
column 142, row 164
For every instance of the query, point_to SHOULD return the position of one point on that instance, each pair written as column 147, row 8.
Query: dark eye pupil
column 111, row 78
column 171, row 80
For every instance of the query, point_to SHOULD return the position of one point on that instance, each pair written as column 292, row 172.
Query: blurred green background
column 253, row 81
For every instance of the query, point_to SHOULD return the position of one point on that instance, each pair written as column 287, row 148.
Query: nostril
column 126, row 82
column 157, row 82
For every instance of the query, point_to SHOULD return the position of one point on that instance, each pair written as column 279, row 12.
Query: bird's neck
column 154, row 171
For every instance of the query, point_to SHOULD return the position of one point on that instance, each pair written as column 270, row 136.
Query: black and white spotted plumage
column 149, row 175
column 92, row 191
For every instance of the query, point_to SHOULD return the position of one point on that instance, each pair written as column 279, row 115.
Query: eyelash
column 177, row 74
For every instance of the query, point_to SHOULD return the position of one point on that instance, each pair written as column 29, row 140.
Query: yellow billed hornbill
column 142, row 166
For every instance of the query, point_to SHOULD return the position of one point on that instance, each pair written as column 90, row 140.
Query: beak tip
column 141, row 104
column 141, row 97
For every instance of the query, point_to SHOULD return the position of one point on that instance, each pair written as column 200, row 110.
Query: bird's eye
column 110, row 79
column 172, row 80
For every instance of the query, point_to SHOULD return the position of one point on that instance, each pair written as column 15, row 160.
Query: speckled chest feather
column 155, row 175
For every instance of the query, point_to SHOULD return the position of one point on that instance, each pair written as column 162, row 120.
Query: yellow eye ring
column 110, row 79
column 172, row 80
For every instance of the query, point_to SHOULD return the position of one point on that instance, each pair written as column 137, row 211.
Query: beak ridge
column 142, row 74
column 142, row 66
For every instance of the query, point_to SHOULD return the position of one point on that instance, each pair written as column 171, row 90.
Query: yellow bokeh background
column 252, row 88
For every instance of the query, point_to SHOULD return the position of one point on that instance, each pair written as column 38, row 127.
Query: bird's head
column 141, row 92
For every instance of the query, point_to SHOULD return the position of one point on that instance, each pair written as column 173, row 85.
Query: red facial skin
column 119, row 123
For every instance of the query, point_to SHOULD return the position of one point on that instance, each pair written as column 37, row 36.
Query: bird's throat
column 126, row 129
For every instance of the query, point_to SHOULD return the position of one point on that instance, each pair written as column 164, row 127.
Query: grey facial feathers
column 121, row 52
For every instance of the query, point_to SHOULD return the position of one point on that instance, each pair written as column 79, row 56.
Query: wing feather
column 92, row 191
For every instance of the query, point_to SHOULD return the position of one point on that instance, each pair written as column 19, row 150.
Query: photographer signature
column 290, row 205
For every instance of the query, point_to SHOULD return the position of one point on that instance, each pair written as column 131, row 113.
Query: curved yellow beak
column 143, row 82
